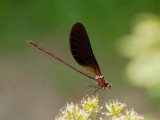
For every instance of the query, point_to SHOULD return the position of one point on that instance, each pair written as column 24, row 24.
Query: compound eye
column 109, row 86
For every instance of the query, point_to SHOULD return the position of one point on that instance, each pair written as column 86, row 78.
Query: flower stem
column 93, row 114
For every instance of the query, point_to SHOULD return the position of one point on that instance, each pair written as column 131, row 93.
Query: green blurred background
column 125, row 37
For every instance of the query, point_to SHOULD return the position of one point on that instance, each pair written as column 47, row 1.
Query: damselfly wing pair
column 82, row 52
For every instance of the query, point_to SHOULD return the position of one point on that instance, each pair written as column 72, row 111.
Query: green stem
column 93, row 113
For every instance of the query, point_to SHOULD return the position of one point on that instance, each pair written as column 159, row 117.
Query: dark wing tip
column 77, row 23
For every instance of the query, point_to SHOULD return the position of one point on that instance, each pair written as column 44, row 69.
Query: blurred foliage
column 142, row 47
column 22, row 19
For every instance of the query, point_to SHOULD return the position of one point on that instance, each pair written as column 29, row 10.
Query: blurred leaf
column 142, row 47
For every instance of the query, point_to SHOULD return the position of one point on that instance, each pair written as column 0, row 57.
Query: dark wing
column 81, row 49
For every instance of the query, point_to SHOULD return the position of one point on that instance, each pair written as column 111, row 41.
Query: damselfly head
column 109, row 86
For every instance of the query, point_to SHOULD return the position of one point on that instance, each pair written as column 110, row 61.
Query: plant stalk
column 93, row 114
